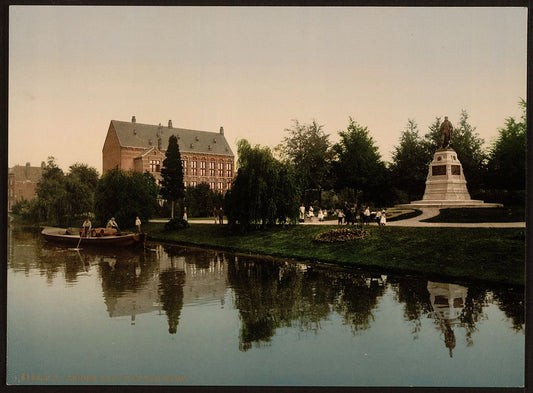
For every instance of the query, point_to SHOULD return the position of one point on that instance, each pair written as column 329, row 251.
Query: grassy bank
column 486, row 254
column 472, row 214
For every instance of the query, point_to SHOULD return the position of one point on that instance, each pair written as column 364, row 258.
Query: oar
column 77, row 247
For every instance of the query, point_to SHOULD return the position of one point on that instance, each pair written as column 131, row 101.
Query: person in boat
column 112, row 223
column 138, row 224
column 87, row 225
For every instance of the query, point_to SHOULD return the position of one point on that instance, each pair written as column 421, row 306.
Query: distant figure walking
column 185, row 213
column 220, row 215
column 215, row 215
column 446, row 131
column 138, row 224
column 378, row 217
column 383, row 219
column 366, row 216
column 302, row 213
column 340, row 217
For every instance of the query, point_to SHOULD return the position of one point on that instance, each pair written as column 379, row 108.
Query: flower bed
column 341, row 235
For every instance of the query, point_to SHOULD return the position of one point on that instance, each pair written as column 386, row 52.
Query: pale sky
column 253, row 69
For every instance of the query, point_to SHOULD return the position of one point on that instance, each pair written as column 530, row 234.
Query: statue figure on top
column 446, row 130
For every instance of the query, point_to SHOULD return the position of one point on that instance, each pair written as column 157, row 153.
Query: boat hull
column 60, row 236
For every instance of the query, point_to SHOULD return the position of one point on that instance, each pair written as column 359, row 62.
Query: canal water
column 175, row 316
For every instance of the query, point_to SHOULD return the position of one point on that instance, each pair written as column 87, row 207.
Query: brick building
column 206, row 156
column 22, row 183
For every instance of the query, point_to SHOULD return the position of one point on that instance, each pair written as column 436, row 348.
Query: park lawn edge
column 472, row 254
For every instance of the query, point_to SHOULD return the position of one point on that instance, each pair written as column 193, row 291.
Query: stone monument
column 445, row 182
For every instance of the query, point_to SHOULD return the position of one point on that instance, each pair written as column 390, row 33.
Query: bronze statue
column 446, row 130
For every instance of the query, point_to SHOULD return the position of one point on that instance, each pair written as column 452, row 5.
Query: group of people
column 218, row 214
column 310, row 214
column 348, row 215
column 87, row 225
column 380, row 216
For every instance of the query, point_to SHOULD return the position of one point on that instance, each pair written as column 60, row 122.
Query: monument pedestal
column 446, row 184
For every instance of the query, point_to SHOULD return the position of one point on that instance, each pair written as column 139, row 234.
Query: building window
column 212, row 185
column 229, row 169
column 220, row 186
column 228, row 185
column 192, row 184
column 220, row 169
column 185, row 168
column 155, row 166
column 212, row 168
column 194, row 171
column 202, row 168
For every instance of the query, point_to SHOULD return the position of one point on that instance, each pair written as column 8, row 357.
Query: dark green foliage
column 201, row 199
column 308, row 148
column 265, row 191
column 64, row 200
column 172, row 187
column 358, row 163
column 125, row 195
column 175, row 224
column 507, row 157
column 410, row 162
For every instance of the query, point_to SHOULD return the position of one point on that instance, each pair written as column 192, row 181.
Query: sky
column 253, row 70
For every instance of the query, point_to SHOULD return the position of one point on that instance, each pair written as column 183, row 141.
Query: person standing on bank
column 138, row 224
column 86, row 227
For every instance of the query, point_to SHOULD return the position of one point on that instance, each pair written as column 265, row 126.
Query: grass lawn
column 486, row 254
column 473, row 214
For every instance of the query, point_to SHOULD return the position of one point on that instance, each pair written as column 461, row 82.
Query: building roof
column 133, row 134
column 27, row 172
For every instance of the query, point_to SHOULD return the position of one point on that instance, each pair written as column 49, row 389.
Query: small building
column 22, row 183
column 206, row 156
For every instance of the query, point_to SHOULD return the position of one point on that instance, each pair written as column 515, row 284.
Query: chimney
column 221, row 130
column 133, row 120
column 170, row 124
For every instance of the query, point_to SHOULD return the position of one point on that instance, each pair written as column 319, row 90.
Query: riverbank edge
column 429, row 270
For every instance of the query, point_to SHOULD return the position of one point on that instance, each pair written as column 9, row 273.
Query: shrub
column 176, row 224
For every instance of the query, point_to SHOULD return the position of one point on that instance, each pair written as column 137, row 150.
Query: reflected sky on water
column 171, row 315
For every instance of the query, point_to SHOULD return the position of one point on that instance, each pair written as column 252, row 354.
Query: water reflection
column 268, row 294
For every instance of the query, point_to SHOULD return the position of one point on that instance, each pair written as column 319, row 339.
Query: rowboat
column 72, row 237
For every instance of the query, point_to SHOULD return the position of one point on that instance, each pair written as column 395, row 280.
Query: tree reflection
column 513, row 305
column 270, row 295
column 171, row 283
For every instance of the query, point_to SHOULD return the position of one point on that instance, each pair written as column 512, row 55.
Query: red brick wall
column 110, row 151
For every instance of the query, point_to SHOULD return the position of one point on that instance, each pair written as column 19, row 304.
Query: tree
column 507, row 156
column 63, row 200
column 201, row 199
column 358, row 163
column 264, row 191
column 125, row 195
column 309, row 150
column 172, row 187
column 410, row 161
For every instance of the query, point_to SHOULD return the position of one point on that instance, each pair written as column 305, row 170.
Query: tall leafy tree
column 410, row 161
column 201, row 199
column 125, row 195
column 51, row 194
column 358, row 163
column 264, row 191
column 172, row 187
column 308, row 147
column 507, row 157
